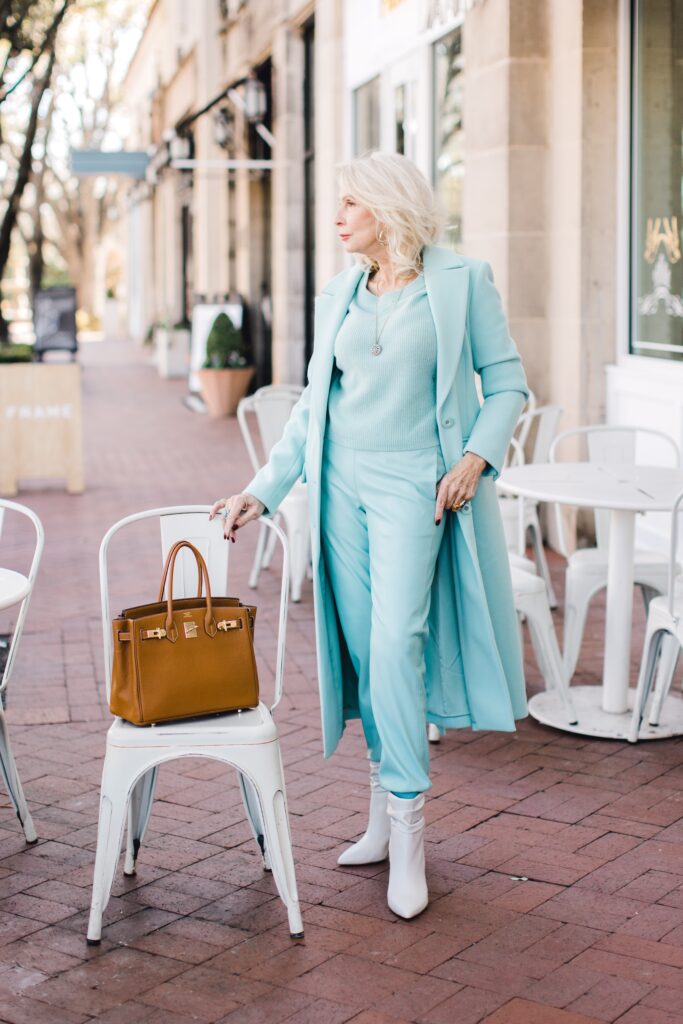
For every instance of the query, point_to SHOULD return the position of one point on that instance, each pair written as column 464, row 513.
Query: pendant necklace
column 377, row 348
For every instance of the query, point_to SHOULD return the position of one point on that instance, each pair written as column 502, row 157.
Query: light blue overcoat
column 474, row 673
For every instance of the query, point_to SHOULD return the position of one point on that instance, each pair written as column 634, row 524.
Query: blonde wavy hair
column 408, row 212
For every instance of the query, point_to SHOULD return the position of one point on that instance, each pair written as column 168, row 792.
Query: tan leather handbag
column 183, row 658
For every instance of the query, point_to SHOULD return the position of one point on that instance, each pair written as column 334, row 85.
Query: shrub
column 225, row 345
column 15, row 353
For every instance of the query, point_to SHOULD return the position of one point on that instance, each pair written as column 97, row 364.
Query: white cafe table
column 13, row 587
column 624, row 490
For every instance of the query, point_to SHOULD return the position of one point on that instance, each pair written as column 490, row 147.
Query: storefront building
column 645, row 382
column 552, row 132
column 224, row 97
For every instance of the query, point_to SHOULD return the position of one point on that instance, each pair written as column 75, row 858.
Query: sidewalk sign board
column 40, row 424
column 54, row 319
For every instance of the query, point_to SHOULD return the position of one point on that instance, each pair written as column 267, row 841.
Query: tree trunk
column 23, row 173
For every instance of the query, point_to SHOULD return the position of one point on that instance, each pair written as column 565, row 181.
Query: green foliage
column 225, row 347
column 14, row 353
column 55, row 276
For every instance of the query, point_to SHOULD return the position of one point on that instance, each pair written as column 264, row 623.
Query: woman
column 413, row 603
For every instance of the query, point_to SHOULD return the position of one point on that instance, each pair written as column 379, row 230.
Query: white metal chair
column 663, row 640
column 536, row 427
column 530, row 594
column 247, row 740
column 531, row 602
column 272, row 406
column 16, row 589
column 586, row 571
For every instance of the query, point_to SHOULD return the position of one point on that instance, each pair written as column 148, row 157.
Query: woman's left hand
column 459, row 484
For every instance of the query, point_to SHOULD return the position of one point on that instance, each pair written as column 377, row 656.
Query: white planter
column 172, row 351
column 110, row 319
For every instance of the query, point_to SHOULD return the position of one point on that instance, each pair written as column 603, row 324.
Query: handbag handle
column 210, row 627
column 164, row 572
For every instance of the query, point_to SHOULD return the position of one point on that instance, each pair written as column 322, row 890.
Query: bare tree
column 85, row 91
column 29, row 33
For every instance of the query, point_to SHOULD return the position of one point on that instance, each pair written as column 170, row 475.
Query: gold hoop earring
column 381, row 237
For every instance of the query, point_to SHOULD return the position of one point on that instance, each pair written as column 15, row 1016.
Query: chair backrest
column 515, row 457
column 617, row 445
column 540, row 424
column 23, row 510
column 191, row 522
column 272, row 406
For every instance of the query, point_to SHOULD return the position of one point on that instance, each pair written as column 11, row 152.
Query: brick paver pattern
column 555, row 862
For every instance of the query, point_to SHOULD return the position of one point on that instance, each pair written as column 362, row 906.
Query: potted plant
column 226, row 373
column 172, row 343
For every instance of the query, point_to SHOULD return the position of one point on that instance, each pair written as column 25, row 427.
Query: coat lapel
column 330, row 310
column 446, row 281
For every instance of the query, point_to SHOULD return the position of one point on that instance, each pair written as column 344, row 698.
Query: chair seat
column 13, row 587
column 526, row 582
column 594, row 558
column 252, row 726
column 520, row 562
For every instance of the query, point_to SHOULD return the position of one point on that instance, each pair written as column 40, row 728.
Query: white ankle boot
column 374, row 845
column 407, row 894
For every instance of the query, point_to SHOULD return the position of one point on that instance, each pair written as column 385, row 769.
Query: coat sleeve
column 503, row 381
column 276, row 478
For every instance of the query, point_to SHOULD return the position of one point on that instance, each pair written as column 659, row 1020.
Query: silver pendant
column 376, row 349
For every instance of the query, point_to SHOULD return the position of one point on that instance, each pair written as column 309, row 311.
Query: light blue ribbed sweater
column 385, row 402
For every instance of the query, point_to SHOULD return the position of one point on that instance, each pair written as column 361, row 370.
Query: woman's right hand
column 242, row 508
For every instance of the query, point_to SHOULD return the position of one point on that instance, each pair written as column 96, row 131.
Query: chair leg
column 648, row 594
column 258, row 556
column 271, row 791
column 139, row 811
column 541, row 560
column 544, row 642
column 251, row 806
column 576, row 601
column 433, row 733
column 8, row 769
column 298, row 538
column 666, row 669
column 651, row 647
column 309, row 559
column 113, row 807
column 271, row 541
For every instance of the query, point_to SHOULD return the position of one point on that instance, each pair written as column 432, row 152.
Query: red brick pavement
column 555, row 863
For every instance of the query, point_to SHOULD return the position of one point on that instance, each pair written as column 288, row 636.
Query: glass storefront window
column 448, row 134
column 400, row 118
column 366, row 117
column 657, row 179
column 404, row 119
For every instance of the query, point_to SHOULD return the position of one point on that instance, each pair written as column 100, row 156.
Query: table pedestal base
column 547, row 708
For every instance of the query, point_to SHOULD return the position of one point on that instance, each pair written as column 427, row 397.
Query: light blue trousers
column 380, row 544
